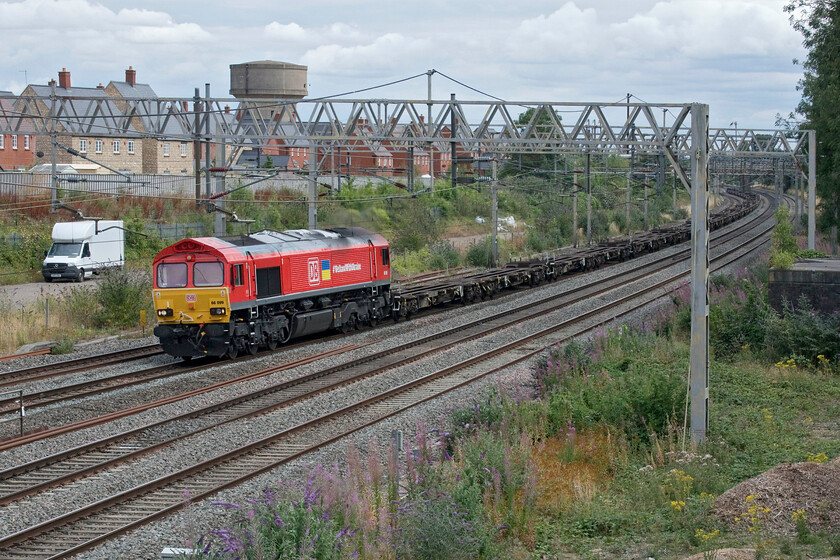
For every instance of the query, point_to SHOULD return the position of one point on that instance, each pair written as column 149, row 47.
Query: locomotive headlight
column 218, row 311
column 164, row 312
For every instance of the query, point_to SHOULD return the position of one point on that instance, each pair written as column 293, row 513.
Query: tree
column 819, row 23
column 541, row 124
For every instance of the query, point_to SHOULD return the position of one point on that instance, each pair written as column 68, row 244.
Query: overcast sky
column 735, row 55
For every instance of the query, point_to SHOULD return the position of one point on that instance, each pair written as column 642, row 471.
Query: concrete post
column 699, row 351
column 312, row 203
column 220, row 225
column 197, row 147
column 812, row 189
column 588, row 173
column 627, row 205
column 495, row 217
column 797, row 179
column 207, row 163
column 575, row 187
column 675, row 195
column 53, row 148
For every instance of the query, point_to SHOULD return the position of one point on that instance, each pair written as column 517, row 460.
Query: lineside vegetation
column 587, row 457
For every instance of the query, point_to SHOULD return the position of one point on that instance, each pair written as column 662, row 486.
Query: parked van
column 82, row 249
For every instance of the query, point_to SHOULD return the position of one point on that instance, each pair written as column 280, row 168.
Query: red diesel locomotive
column 220, row 296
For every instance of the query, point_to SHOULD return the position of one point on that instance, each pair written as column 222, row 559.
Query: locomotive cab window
column 236, row 277
column 386, row 257
column 172, row 275
column 208, row 274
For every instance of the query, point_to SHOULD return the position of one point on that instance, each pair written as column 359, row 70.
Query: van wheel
column 80, row 277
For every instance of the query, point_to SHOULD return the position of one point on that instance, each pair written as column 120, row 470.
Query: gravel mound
column 790, row 487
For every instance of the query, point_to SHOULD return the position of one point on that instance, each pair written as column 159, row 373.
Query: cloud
column 389, row 51
column 291, row 32
column 661, row 50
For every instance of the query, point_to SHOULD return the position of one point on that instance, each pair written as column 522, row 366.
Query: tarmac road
column 21, row 295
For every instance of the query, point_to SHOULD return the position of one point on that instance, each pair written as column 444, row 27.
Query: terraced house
column 17, row 151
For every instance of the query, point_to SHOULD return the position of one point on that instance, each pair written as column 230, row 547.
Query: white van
column 82, row 249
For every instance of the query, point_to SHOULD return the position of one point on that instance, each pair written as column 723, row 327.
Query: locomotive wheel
column 232, row 351
column 251, row 347
column 270, row 342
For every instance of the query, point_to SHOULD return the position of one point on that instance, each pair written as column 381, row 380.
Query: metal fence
column 177, row 231
column 21, row 186
column 12, row 240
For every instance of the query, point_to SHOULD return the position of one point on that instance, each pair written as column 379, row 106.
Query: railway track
column 37, row 373
column 88, row 389
column 145, row 502
column 35, row 476
column 165, row 495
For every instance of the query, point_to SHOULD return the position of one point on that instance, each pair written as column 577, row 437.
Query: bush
column 442, row 255
column 784, row 249
column 801, row 331
column 810, row 254
column 480, row 254
column 738, row 315
column 280, row 529
column 432, row 528
column 121, row 294
column 64, row 345
column 608, row 382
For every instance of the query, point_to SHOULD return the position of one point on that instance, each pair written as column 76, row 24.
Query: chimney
column 131, row 76
column 64, row 78
column 51, row 82
column 100, row 86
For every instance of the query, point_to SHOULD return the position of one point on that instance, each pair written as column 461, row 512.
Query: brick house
column 123, row 154
column 159, row 155
column 17, row 151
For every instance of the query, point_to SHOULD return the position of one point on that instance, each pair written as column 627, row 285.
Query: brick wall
column 820, row 285
column 21, row 157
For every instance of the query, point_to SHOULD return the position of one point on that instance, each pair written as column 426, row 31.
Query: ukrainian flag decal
column 325, row 269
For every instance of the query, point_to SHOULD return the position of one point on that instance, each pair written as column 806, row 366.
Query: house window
column 166, row 149
column 14, row 141
column 131, row 146
column 116, row 145
column 183, row 149
column 83, row 146
column 99, row 146
column 2, row 142
column 25, row 141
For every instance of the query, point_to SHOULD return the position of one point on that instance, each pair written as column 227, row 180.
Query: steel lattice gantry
column 682, row 136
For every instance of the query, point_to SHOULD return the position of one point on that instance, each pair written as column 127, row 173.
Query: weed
column 64, row 345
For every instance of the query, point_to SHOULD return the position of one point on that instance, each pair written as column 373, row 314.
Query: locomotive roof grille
column 289, row 236
column 241, row 240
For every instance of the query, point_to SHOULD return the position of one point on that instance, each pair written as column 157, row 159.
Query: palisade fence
column 17, row 187
column 164, row 231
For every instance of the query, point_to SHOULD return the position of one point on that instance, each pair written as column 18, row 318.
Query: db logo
column 314, row 267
